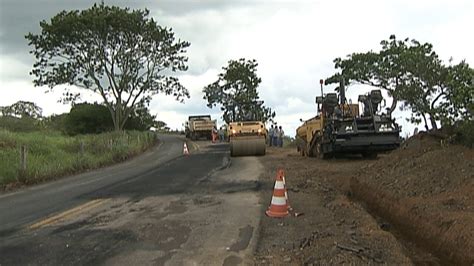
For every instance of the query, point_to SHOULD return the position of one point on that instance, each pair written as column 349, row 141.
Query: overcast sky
column 294, row 43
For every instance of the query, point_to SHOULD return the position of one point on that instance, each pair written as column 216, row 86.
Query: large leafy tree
column 423, row 84
column 235, row 91
column 118, row 53
column 382, row 69
column 459, row 93
column 411, row 72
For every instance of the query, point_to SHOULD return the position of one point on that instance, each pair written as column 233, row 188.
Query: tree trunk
column 394, row 105
column 118, row 115
column 433, row 123
column 117, row 121
column 426, row 122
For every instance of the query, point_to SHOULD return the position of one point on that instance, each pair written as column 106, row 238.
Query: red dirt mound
column 426, row 190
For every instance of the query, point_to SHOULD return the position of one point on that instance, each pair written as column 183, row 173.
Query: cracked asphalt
column 161, row 208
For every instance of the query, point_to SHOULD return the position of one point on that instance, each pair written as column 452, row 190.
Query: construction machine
column 339, row 127
column 199, row 126
column 247, row 133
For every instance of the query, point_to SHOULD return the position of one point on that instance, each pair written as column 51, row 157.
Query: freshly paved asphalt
column 160, row 208
column 158, row 171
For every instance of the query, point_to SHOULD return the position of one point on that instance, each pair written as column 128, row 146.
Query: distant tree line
column 83, row 118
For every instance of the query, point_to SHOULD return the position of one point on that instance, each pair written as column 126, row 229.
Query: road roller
column 247, row 138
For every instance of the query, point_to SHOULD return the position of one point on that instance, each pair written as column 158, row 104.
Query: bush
column 86, row 118
column 14, row 124
column 465, row 133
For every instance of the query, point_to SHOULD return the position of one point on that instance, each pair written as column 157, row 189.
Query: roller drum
column 247, row 146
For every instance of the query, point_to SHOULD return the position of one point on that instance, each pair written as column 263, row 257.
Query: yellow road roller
column 247, row 138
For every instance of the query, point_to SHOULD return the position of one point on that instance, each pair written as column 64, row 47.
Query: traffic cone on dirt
column 185, row 149
column 282, row 174
column 279, row 205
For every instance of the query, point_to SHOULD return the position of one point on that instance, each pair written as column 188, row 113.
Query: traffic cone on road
column 282, row 174
column 279, row 205
column 185, row 149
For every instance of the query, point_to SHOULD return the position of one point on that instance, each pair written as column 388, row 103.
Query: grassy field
column 51, row 154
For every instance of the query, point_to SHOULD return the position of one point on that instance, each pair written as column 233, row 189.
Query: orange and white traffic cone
column 282, row 174
column 279, row 206
column 185, row 149
column 214, row 137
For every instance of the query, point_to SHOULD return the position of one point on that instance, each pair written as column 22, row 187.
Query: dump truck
column 247, row 134
column 199, row 126
column 340, row 127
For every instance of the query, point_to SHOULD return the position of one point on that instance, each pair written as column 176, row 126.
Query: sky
column 294, row 43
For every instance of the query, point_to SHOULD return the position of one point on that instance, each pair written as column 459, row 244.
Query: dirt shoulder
column 398, row 209
column 425, row 189
column 333, row 229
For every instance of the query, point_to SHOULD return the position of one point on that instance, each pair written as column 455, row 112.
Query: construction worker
column 276, row 132
column 271, row 131
column 281, row 133
column 214, row 134
column 221, row 134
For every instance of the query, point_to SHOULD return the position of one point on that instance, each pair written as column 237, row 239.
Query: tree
column 140, row 119
column 459, row 102
column 411, row 72
column 236, row 91
column 22, row 109
column 382, row 69
column 120, row 54
column 423, row 84
column 160, row 125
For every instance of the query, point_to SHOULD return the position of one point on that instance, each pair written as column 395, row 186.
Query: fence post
column 82, row 147
column 23, row 155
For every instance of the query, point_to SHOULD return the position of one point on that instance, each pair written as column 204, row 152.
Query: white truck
column 199, row 126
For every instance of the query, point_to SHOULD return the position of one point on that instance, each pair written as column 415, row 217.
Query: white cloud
column 294, row 43
column 23, row 91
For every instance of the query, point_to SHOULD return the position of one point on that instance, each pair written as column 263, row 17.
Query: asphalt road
column 28, row 205
column 159, row 208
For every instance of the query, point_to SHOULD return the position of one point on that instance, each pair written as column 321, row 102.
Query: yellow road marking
column 69, row 213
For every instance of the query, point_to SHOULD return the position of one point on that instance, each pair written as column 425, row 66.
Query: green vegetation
column 120, row 54
column 236, row 91
column 289, row 142
column 15, row 124
column 51, row 154
column 412, row 73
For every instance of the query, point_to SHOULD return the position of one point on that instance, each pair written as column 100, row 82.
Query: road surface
column 161, row 208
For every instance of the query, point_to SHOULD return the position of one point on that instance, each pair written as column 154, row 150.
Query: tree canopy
column 118, row 53
column 235, row 91
column 22, row 109
column 412, row 72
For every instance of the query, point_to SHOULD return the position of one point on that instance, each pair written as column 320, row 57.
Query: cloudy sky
column 294, row 43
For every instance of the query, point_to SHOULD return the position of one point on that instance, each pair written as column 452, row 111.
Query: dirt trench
column 334, row 225
column 425, row 190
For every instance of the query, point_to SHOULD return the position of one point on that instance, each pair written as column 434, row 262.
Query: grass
column 51, row 154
